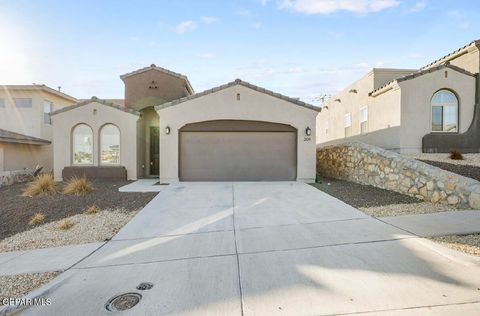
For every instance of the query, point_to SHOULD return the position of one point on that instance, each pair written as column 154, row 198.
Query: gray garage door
column 238, row 151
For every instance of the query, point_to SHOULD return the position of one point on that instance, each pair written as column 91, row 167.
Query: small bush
column 78, row 186
column 92, row 210
column 42, row 185
column 456, row 155
column 36, row 219
column 65, row 224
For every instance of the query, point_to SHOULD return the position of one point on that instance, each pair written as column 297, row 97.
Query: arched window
column 82, row 138
column 444, row 112
column 109, row 145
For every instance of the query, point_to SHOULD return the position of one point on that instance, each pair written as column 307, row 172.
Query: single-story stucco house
column 234, row 132
column 433, row 109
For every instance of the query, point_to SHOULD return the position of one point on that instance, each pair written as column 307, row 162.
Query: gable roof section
column 235, row 83
column 164, row 70
column 452, row 55
column 95, row 99
column 39, row 87
column 414, row 75
column 12, row 137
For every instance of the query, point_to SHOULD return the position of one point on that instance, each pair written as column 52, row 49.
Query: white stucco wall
column 253, row 105
column 416, row 95
column 64, row 122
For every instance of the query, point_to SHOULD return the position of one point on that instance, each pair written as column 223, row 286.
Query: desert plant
column 36, row 219
column 42, row 185
column 456, row 155
column 78, row 186
column 65, row 224
column 92, row 210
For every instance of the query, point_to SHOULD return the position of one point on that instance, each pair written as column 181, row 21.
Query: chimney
column 59, row 89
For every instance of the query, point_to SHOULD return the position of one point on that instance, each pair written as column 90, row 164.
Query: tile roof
column 421, row 73
column 242, row 83
column 12, row 137
column 164, row 70
column 39, row 87
column 476, row 43
column 95, row 99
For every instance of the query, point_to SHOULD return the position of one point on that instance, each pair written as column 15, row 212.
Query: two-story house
column 26, row 131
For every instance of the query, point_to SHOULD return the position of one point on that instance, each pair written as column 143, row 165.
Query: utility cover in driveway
column 243, row 152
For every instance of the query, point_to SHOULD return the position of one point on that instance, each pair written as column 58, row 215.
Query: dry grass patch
column 78, row 186
column 92, row 210
column 469, row 244
column 65, row 224
column 42, row 185
column 36, row 219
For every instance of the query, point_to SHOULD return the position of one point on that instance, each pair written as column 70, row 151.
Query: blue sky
column 302, row 48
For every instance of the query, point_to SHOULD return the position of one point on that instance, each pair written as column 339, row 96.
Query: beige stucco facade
column 399, row 103
column 28, row 121
column 96, row 115
column 236, row 102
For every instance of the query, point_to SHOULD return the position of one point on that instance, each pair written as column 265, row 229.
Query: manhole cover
column 123, row 302
column 144, row 286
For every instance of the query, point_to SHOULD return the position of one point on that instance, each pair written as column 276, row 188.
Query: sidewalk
column 45, row 260
column 438, row 224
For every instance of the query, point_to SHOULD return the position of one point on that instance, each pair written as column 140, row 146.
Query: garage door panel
column 237, row 156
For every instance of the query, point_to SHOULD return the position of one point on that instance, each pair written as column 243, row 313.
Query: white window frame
column 119, row 146
column 28, row 100
column 347, row 123
column 73, row 146
column 363, row 120
column 443, row 106
column 46, row 115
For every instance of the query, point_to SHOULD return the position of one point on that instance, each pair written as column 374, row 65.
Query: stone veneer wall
column 366, row 164
column 11, row 177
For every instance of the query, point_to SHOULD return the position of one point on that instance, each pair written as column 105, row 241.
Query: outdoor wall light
column 167, row 130
column 308, row 131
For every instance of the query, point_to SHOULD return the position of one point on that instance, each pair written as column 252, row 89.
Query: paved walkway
column 438, row 224
column 143, row 185
column 44, row 260
column 262, row 249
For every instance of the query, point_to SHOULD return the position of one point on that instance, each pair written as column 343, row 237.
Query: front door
column 154, row 150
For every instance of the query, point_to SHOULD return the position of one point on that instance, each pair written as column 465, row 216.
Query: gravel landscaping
column 16, row 286
column 86, row 229
column 463, row 170
column 469, row 159
column 378, row 202
column 469, row 244
column 16, row 210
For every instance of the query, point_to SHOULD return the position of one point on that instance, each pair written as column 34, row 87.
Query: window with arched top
column 444, row 112
column 82, row 141
column 109, row 145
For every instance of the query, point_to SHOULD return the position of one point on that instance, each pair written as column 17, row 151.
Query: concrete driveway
column 265, row 249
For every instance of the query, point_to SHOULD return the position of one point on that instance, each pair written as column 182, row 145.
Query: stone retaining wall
column 18, row 176
column 366, row 164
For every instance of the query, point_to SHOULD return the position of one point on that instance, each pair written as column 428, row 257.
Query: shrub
column 92, row 210
column 78, row 186
column 42, row 185
column 456, row 155
column 65, row 224
column 36, row 219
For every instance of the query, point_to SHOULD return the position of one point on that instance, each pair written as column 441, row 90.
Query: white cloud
column 419, row 6
column 209, row 19
column 244, row 12
column 330, row 6
column 206, row 56
column 185, row 26
column 257, row 25
column 263, row 2
column 465, row 25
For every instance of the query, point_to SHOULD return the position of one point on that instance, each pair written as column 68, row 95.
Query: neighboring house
column 235, row 132
column 429, row 110
column 25, row 125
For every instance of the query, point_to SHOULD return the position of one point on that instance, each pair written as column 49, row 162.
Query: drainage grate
column 123, row 302
column 144, row 286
